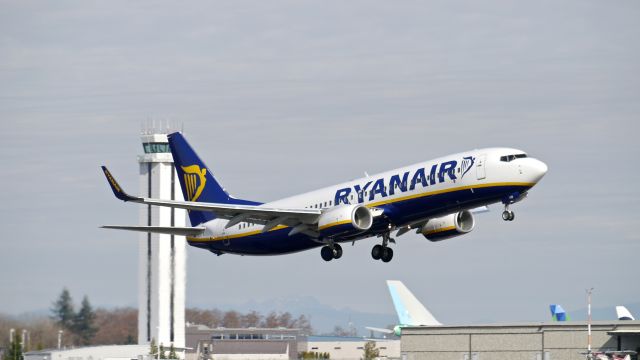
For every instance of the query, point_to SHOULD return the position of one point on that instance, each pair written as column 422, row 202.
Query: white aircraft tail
column 410, row 311
column 623, row 313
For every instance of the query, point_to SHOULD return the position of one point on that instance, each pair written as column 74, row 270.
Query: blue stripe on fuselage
column 399, row 213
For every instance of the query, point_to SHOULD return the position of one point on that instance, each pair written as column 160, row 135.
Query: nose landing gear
column 508, row 215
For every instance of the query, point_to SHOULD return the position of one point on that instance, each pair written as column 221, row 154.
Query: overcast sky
column 282, row 97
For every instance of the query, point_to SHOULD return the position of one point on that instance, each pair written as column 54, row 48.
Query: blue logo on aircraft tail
column 197, row 181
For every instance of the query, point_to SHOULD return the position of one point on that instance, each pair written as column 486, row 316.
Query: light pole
column 589, row 355
column 60, row 339
column 23, row 340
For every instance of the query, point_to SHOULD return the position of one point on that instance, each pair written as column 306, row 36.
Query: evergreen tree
column 370, row 351
column 154, row 349
column 62, row 311
column 172, row 352
column 163, row 355
column 83, row 323
column 14, row 352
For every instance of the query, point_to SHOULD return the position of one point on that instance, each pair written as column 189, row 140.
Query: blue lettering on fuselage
column 448, row 168
column 399, row 184
column 396, row 182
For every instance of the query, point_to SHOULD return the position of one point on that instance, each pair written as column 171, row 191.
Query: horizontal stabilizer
column 379, row 330
column 171, row 230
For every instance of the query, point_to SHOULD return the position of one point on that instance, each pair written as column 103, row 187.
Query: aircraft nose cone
column 537, row 169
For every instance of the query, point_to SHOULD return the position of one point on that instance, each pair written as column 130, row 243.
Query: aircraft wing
column 170, row 230
column 270, row 217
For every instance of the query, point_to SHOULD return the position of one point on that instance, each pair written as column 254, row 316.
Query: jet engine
column 345, row 219
column 449, row 226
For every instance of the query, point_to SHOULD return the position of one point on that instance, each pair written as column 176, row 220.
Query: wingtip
column 115, row 187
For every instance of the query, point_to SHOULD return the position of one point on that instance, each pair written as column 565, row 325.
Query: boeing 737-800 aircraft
column 434, row 198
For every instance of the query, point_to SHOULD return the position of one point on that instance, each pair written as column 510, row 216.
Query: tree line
column 233, row 319
column 83, row 325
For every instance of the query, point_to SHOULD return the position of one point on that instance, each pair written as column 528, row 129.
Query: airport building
column 352, row 348
column 527, row 341
column 106, row 352
column 204, row 343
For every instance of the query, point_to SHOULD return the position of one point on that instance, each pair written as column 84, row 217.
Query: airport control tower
column 162, row 265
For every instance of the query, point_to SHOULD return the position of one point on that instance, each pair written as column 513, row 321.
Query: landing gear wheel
column 337, row 251
column 377, row 251
column 326, row 253
column 387, row 255
column 508, row 215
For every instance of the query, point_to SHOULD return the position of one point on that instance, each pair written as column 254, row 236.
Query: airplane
column 410, row 310
column 434, row 198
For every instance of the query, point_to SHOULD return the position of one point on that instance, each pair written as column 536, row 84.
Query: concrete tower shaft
column 162, row 258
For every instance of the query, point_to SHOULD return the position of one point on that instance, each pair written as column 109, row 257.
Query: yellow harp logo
column 194, row 181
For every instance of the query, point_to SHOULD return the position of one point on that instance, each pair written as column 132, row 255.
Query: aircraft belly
column 399, row 213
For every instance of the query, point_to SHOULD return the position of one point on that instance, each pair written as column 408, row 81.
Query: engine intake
column 449, row 226
column 345, row 218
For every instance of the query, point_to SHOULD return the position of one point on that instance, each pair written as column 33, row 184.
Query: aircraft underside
column 395, row 215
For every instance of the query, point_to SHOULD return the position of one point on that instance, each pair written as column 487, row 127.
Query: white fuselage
column 448, row 174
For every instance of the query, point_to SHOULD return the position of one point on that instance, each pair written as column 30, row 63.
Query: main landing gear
column 383, row 252
column 330, row 252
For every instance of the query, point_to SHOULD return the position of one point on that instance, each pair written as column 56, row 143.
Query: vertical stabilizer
column 197, row 181
column 623, row 313
column 410, row 311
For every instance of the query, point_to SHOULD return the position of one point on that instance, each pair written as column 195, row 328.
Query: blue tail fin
column 558, row 313
column 197, row 181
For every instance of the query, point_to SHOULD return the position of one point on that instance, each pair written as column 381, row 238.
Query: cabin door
column 481, row 171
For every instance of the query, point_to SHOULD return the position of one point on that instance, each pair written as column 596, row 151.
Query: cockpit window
column 509, row 158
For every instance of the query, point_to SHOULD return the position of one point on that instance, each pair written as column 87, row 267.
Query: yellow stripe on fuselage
column 234, row 236
column 389, row 201
column 444, row 191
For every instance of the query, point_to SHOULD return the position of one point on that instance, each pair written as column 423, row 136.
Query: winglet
column 117, row 190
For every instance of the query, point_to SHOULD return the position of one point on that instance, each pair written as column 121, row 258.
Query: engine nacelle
column 344, row 219
column 449, row 226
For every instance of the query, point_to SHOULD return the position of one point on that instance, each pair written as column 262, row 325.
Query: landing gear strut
column 383, row 252
column 508, row 215
column 330, row 252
